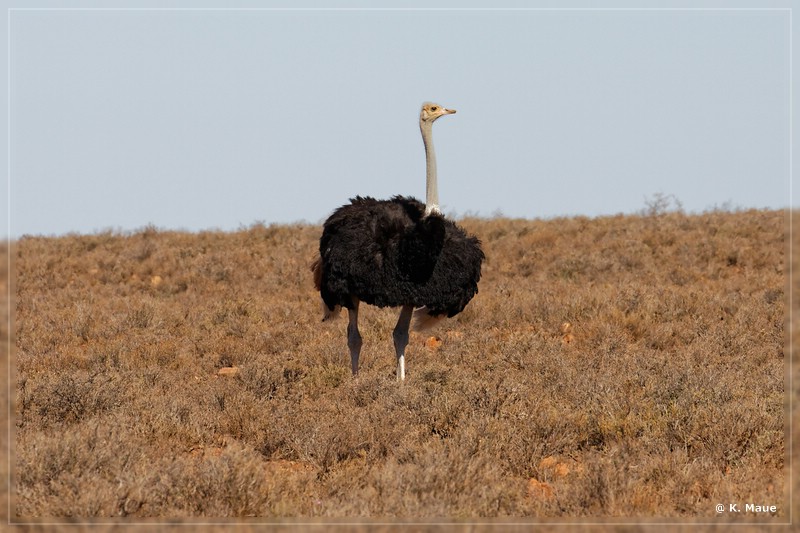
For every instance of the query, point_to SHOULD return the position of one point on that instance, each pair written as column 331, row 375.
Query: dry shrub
column 663, row 396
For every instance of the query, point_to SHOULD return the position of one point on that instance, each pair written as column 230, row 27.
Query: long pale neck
column 431, row 187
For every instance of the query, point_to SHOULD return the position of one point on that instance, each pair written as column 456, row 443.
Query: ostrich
column 397, row 253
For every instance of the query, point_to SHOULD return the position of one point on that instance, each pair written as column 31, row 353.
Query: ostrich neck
column 431, row 187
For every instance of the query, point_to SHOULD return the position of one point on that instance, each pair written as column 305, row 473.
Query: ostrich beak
column 448, row 111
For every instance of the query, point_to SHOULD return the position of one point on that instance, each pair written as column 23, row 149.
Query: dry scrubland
column 664, row 397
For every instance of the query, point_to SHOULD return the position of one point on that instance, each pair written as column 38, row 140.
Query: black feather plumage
column 388, row 253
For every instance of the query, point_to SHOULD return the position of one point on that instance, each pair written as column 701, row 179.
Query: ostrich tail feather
column 423, row 319
column 316, row 269
column 328, row 313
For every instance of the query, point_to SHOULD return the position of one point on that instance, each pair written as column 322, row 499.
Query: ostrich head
column 431, row 112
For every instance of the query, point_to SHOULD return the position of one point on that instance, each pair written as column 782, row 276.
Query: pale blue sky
column 200, row 119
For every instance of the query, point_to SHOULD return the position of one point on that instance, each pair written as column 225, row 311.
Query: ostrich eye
column 434, row 108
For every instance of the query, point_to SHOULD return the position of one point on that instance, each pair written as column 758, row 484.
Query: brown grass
column 628, row 367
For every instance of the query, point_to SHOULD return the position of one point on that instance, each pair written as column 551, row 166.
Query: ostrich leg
column 353, row 337
column 400, row 336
